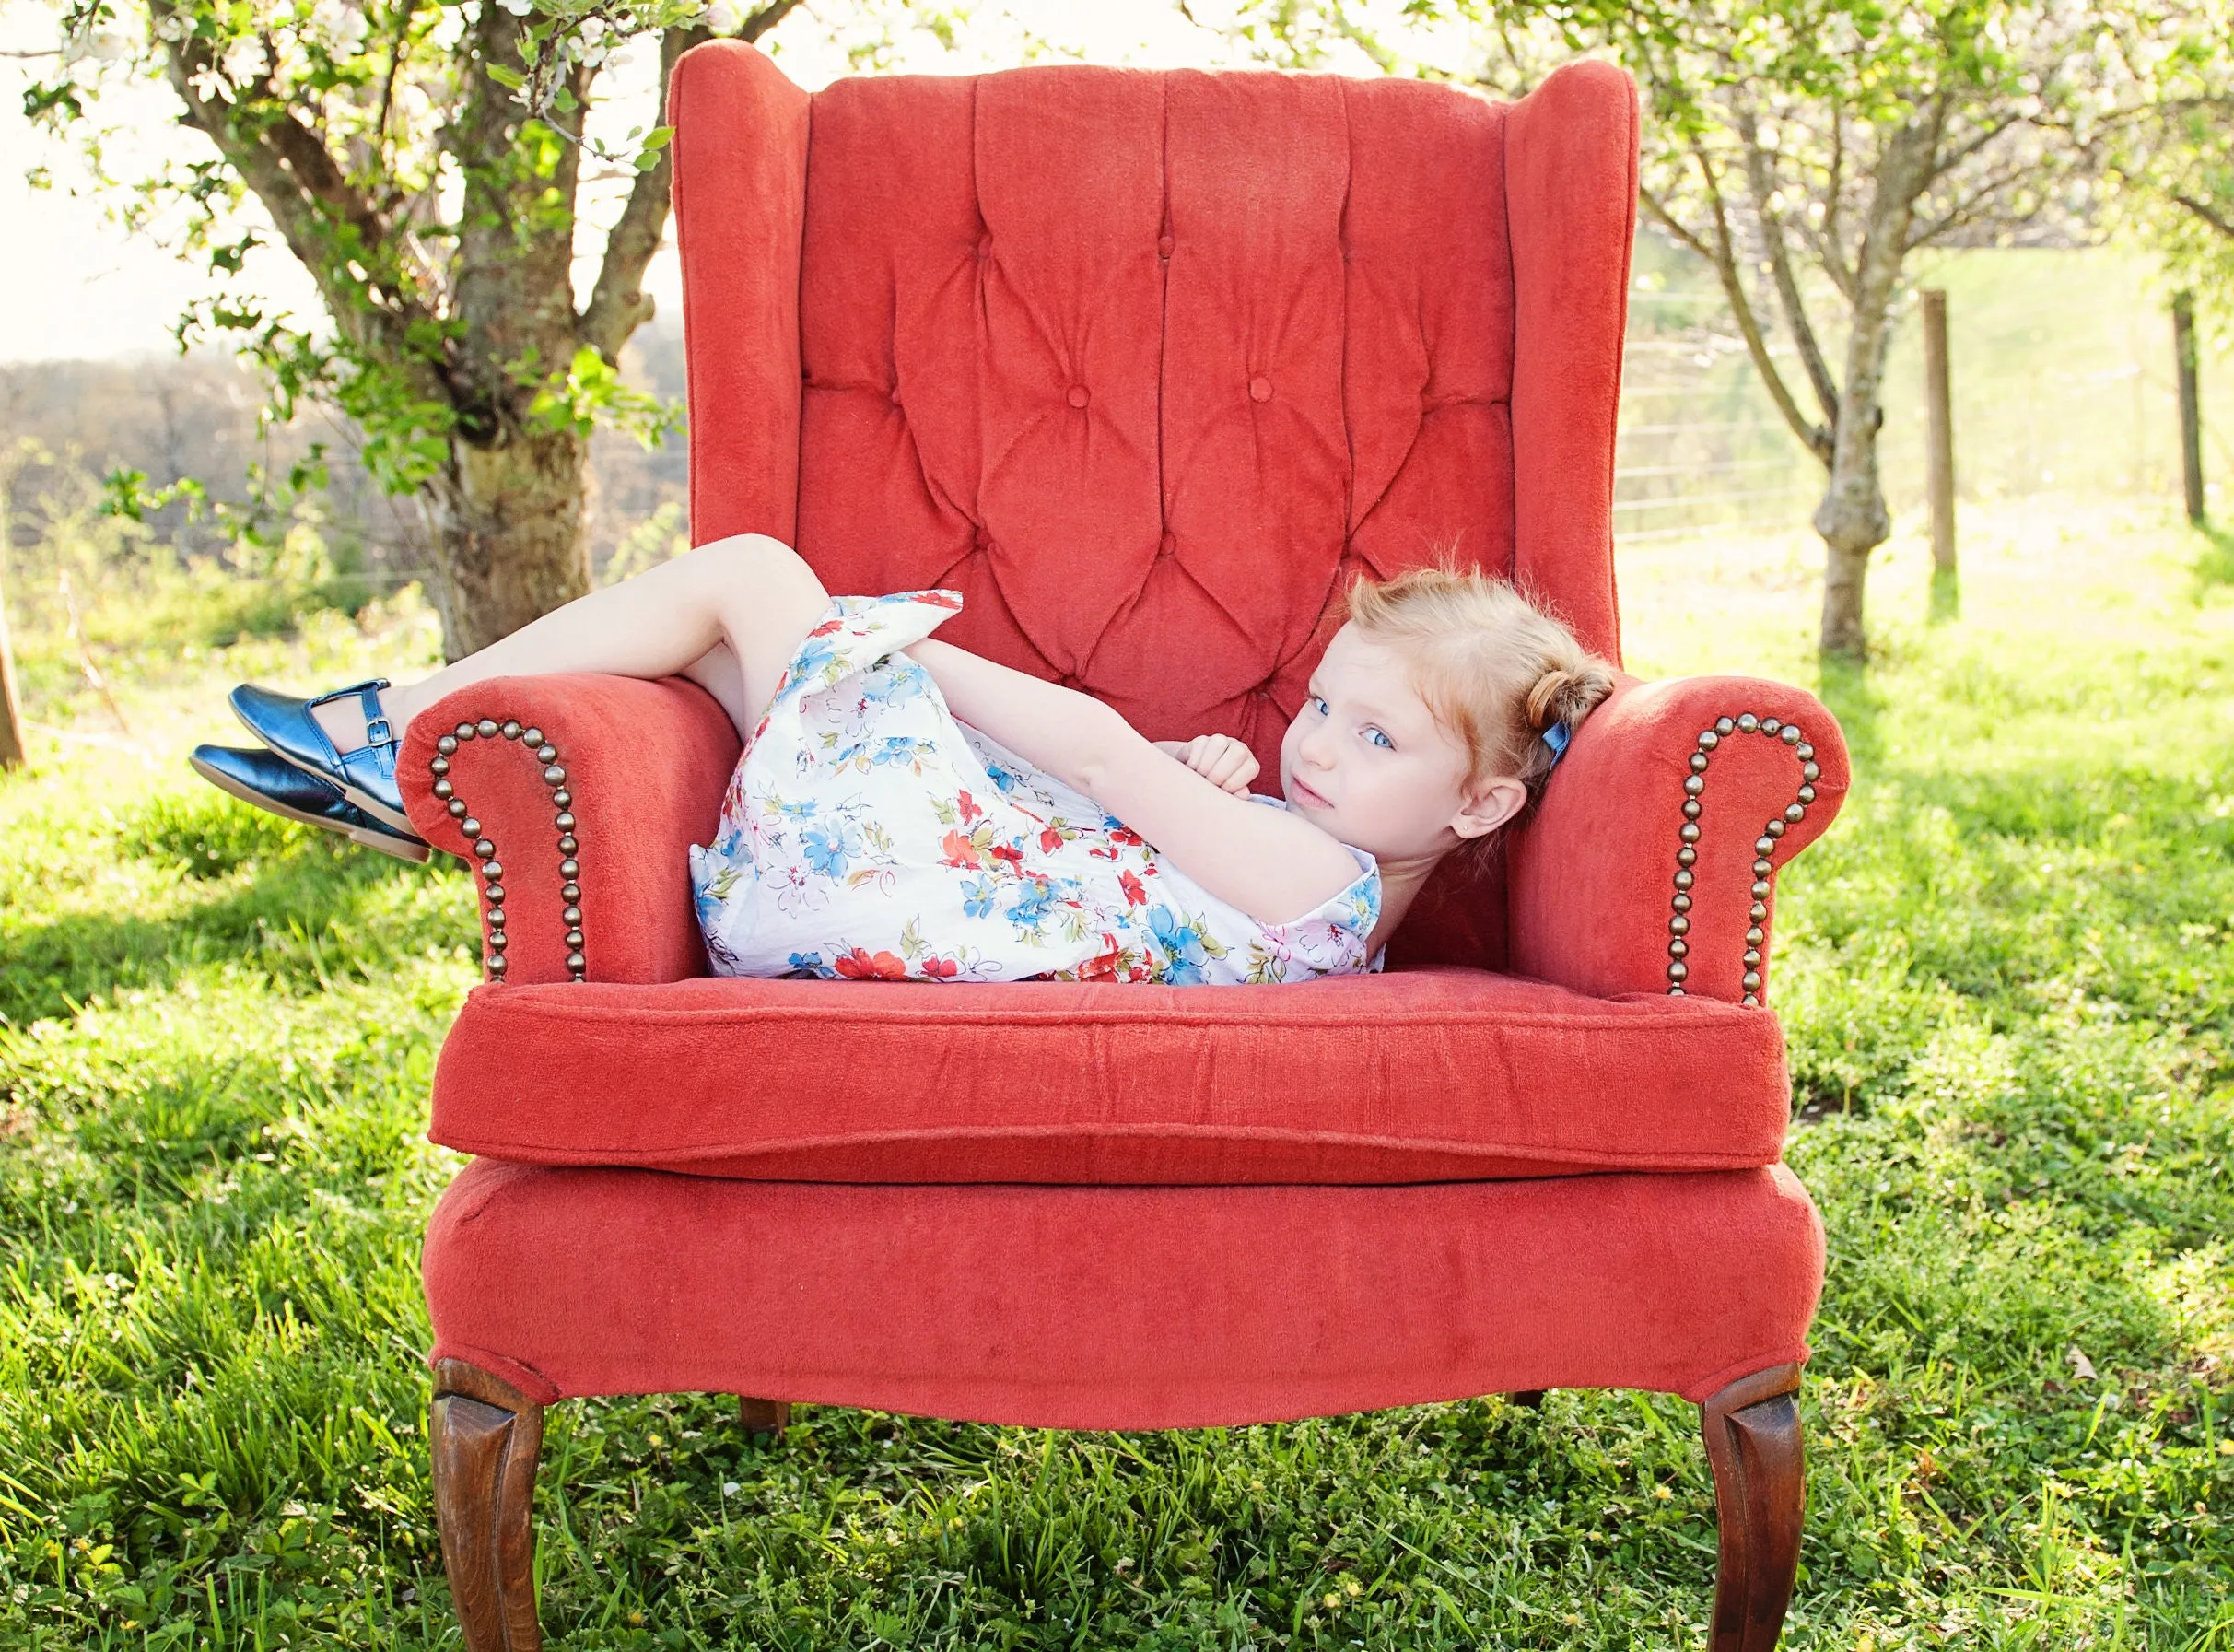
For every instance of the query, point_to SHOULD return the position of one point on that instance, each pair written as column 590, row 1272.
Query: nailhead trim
column 485, row 850
column 1694, row 786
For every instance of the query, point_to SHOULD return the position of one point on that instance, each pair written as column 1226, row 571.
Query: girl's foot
column 271, row 782
column 364, row 772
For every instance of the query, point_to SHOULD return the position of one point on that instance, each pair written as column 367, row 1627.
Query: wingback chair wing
column 1145, row 365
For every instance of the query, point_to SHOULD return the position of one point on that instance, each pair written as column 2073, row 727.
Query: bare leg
column 719, row 672
column 728, row 615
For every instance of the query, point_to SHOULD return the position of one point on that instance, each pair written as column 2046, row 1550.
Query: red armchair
column 1143, row 364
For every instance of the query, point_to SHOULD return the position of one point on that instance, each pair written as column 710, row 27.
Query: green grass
column 2005, row 975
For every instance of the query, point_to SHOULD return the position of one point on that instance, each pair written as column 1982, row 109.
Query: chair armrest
column 1650, row 864
column 584, row 856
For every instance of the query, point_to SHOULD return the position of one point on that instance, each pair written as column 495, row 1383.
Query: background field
column 2005, row 975
column 2062, row 372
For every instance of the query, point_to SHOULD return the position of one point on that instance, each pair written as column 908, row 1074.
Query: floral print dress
column 869, row 835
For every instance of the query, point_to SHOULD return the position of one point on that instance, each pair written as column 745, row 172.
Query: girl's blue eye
column 1385, row 739
column 1320, row 700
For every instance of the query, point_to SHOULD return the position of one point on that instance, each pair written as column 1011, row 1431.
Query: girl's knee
column 754, row 557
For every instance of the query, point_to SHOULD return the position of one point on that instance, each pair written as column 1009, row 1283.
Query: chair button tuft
column 1078, row 397
column 1260, row 389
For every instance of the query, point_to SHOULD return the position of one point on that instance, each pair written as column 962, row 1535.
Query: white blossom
column 341, row 23
column 243, row 60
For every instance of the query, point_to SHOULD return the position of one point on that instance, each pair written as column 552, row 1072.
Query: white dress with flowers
column 869, row 835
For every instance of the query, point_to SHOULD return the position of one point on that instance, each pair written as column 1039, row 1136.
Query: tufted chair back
column 1146, row 364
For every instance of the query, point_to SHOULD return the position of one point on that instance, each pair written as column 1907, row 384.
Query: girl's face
column 1366, row 761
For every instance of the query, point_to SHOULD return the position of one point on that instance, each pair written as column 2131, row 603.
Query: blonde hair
column 1495, row 669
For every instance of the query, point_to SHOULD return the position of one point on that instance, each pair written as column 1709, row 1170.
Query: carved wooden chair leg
column 486, row 1437
column 764, row 1416
column 1753, row 1442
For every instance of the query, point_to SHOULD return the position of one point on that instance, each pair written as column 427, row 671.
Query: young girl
column 904, row 809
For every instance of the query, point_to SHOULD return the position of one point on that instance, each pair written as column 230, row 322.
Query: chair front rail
column 486, row 1437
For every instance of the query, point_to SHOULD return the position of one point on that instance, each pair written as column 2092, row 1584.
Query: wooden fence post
column 1940, row 440
column 2190, row 404
column 11, row 719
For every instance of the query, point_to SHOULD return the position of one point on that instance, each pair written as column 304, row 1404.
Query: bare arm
column 1272, row 865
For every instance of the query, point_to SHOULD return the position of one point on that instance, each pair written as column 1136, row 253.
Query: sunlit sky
column 75, row 284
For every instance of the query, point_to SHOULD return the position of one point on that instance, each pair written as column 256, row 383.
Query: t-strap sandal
column 366, row 776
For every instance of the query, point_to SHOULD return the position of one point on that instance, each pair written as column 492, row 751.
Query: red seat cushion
column 1433, row 1074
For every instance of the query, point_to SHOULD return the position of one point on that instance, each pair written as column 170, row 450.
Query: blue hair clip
column 1556, row 737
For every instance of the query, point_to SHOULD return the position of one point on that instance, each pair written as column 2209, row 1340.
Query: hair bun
column 1567, row 694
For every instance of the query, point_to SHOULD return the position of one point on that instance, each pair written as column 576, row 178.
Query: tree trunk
column 1853, row 519
column 507, row 510
column 2190, row 406
column 511, row 535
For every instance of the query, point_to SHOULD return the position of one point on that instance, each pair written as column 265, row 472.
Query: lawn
column 2004, row 976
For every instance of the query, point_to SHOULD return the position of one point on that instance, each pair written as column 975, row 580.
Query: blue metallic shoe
column 366, row 776
column 271, row 782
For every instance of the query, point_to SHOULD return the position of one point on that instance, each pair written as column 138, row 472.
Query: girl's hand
column 1218, row 759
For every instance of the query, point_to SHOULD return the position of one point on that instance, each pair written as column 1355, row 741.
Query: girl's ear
column 1489, row 808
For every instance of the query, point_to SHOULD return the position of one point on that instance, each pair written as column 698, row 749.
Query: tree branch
column 618, row 305
column 1828, row 251
column 2214, row 219
column 1668, row 223
column 1762, row 183
column 309, row 200
column 1969, row 210
column 395, row 61
column 1949, row 160
column 767, row 17
column 1724, row 257
column 1348, row 27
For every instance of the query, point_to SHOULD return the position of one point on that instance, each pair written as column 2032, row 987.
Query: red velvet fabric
column 1592, row 878
column 740, row 208
column 1118, row 1308
column 644, row 767
column 1571, row 173
column 1429, row 1075
column 1145, row 365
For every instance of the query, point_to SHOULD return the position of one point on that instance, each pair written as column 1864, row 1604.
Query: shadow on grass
column 2215, row 563
column 1843, row 686
column 303, row 920
column 1946, row 596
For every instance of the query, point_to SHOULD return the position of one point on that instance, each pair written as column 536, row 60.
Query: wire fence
column 1701, row 447
column 2063, row 383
